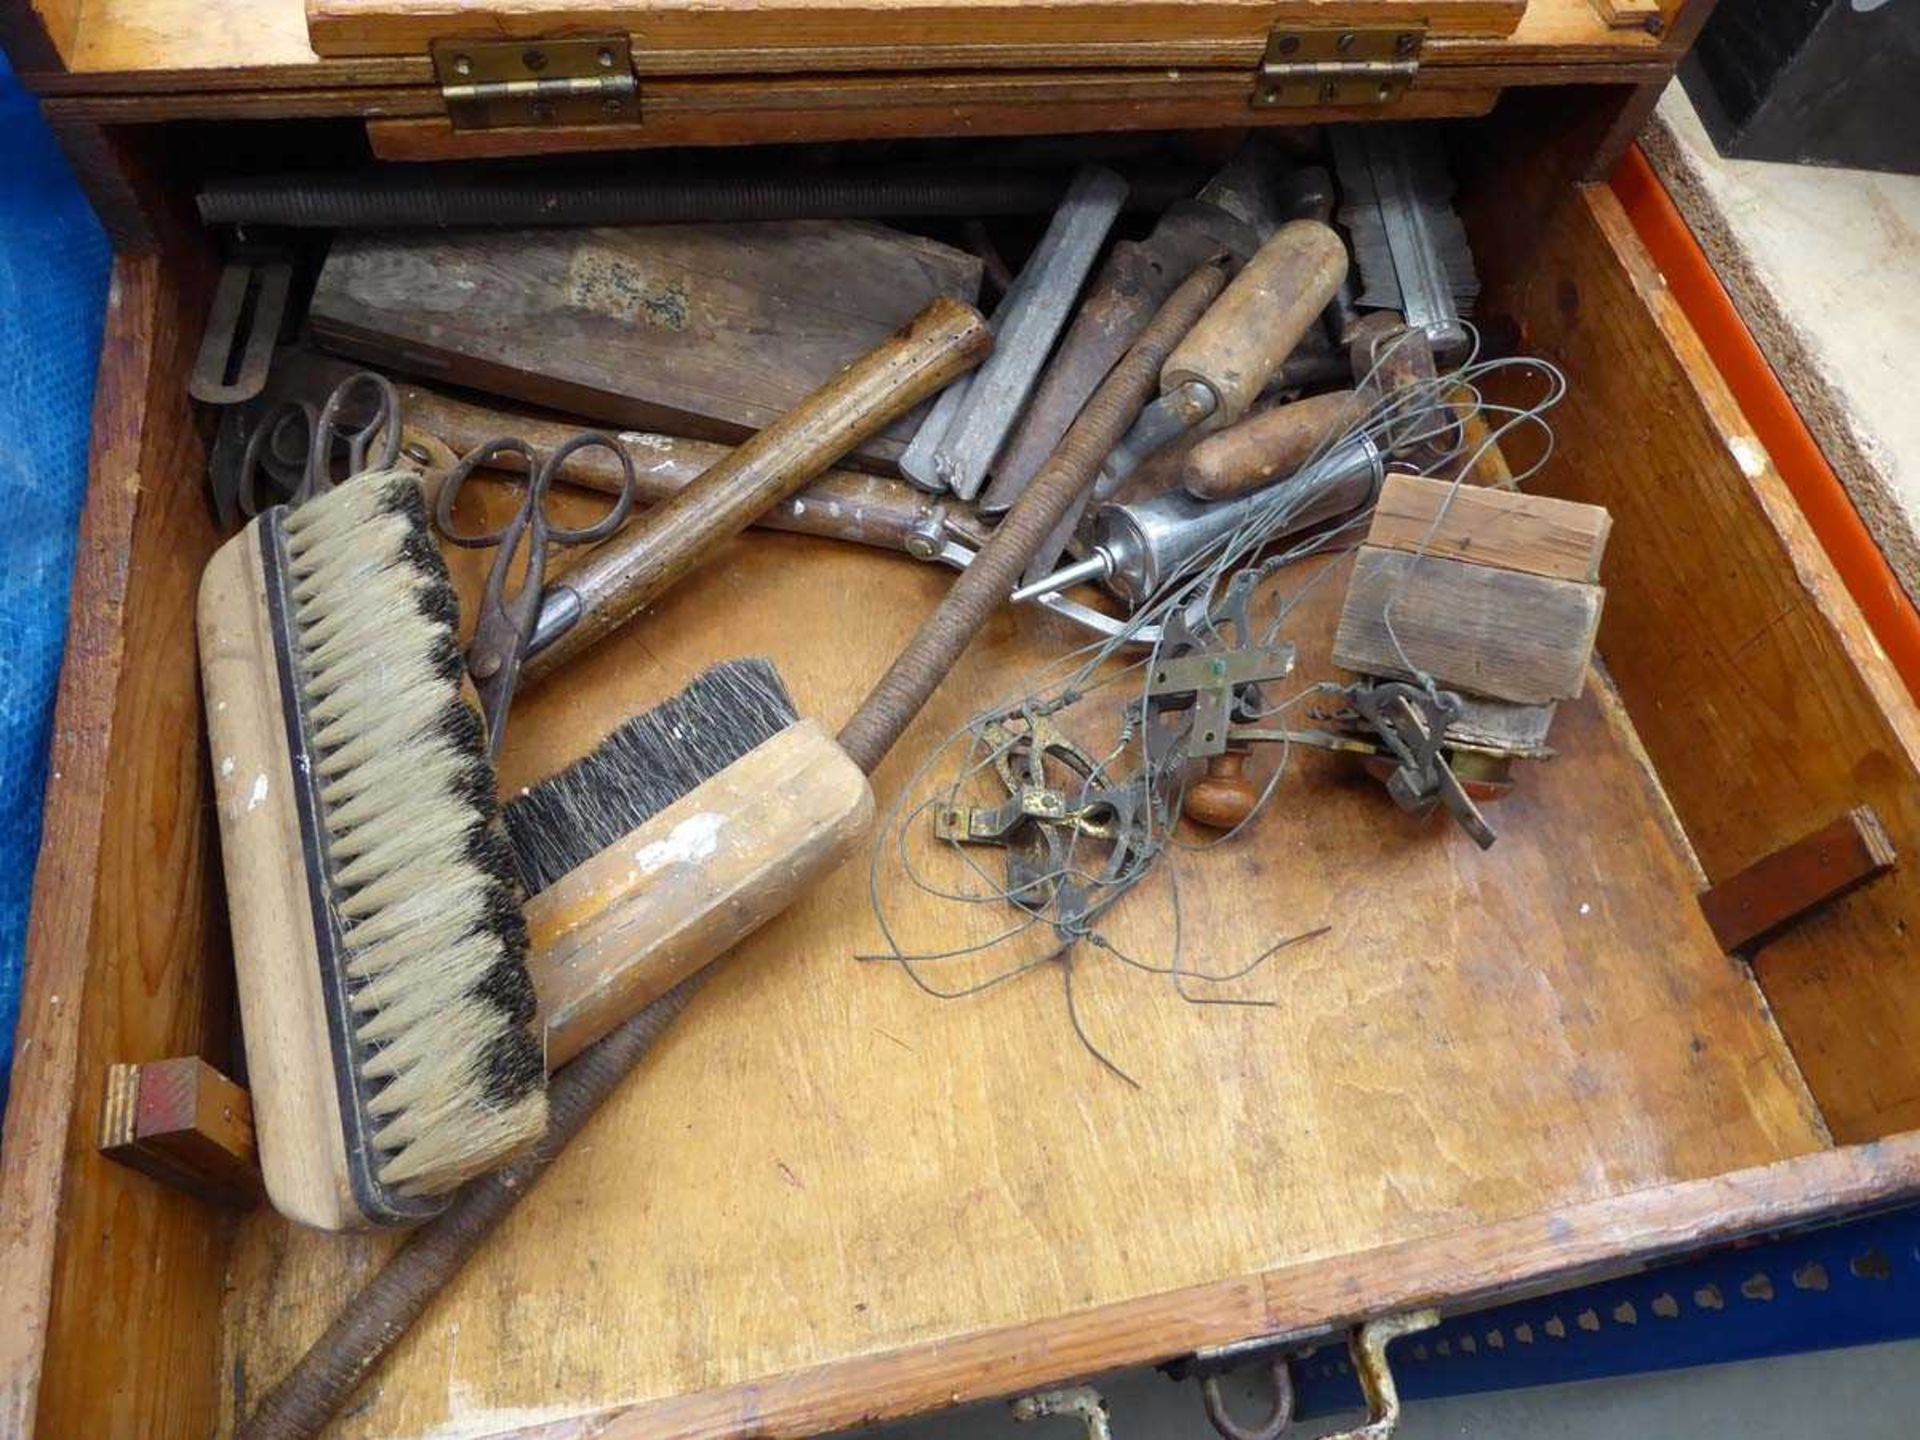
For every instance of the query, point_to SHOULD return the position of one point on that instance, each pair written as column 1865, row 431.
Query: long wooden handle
column 838, row 504
column 1269, row 307
column 944, row 341
column 1262, row 448
column 618, row 932
column 984, row 585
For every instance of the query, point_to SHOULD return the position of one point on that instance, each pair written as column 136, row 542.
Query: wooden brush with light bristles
column 376, row 908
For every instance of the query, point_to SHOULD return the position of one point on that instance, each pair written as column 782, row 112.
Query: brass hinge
column 581, row 81
column 1341, row 65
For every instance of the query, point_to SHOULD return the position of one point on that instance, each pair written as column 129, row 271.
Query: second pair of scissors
column 503, row 634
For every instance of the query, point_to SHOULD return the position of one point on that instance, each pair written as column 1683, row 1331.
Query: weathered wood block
column 1498, row 633
column 1507, row 529
column 710, row 331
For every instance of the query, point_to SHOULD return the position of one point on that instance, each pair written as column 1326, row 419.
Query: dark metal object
column 232, row 366
column 1367, row 1351
column 1159, row 425
column 966, row 429
column 430, row 196
column 339, row 425
column 1234, row 212
column 1408, row 244
column 503, row 635
column 1271, row 1426
column 1816, row 82
column 1042, row 825
column 1412, row 724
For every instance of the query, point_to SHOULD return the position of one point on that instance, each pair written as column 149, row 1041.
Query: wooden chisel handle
column 984, row 585
column 624, row 575
column 838, row 504
column 1262, row 448
column 1268, row 308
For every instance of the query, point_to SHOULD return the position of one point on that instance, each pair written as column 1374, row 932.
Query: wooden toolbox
column 828, row 1199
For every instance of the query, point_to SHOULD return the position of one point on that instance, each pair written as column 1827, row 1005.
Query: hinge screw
column 1344, row 43
column 1289, row 44
column 535, row 60
column 605, row 57
column 1406, row 44
column 462, row 65
column 543, row 110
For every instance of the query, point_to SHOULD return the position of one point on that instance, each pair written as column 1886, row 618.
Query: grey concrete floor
column 1869, row 1393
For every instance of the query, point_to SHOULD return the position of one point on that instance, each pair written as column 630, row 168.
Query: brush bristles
column 644, row 766
column 421, row 881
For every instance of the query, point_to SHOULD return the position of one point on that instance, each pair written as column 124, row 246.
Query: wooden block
column 1493, row 632
column 1644, row 15
column 184, row 1123
column 710, row 331
column 1505, row 528
column 1750, row 908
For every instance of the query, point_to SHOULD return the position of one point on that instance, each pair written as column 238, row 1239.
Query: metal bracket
column 1307, row 65
column 490, row 84
column 1081, row 1402
column 1368, row 1346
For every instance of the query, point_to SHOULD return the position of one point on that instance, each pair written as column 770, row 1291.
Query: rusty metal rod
column 425, row 197
column 987, row 581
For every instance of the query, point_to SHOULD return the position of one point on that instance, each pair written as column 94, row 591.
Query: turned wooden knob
column 1224, row 796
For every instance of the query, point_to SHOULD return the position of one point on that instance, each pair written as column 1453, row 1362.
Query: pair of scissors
column 291, row 447
column 503, row 634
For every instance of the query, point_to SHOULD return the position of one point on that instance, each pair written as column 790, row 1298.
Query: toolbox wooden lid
column 437, row 78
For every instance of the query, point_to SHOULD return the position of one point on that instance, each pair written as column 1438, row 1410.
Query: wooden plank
column 787, row 35
column 1503, row 528
column 212, row 47
column 803, row 1205
column 784, row 111
column 1631, row 15
column 1459, row 1272
column 109, row 1287
column 659, row 327
column 1492, row 632
column 185, row 1124
column 1758, row 690
column 1750, row 908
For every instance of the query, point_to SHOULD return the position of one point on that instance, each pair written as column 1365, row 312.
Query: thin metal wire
column 1068, row 894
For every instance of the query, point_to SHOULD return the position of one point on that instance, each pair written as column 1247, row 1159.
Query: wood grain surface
column 1757, row 688
column 822, row 1165
column 198, row 50
column 1505, row 528
column 1748, row 909
column 617, row 932
column 278, row 972
column 659, row 327
column 787, row 110
column 871, row 34
column 110, row 1279
column 1497, row 633
column 185, row 1124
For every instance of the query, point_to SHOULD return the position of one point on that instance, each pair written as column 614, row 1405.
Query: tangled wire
column 1111, row 805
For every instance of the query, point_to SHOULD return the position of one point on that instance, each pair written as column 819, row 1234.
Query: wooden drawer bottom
column 830, row 1199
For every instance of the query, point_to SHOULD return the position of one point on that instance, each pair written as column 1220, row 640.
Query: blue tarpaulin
column 54, row 261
